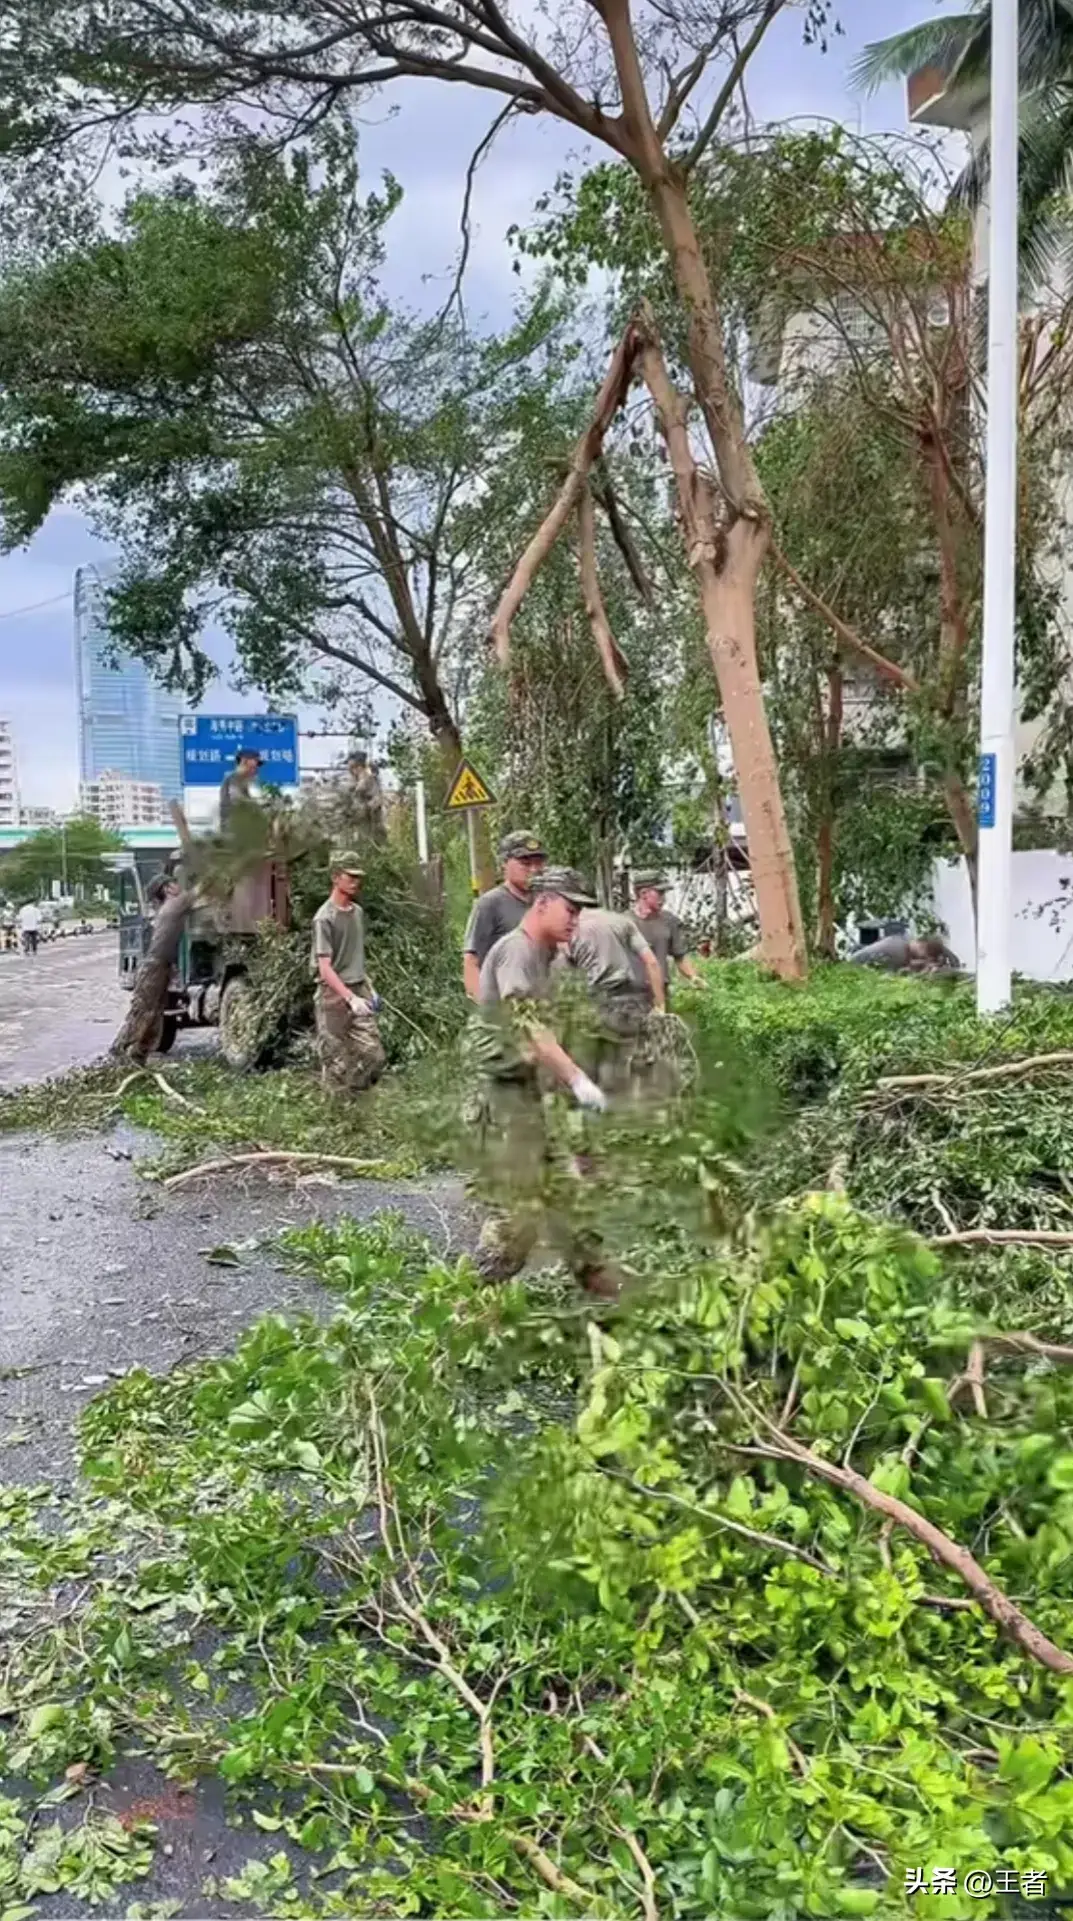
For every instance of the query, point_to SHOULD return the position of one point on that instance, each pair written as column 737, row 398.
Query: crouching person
column 349, row 1047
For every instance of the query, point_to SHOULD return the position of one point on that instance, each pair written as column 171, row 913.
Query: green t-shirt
column 666, row 937
column 515, row 979
column 339, row 936
column 497, row 913
column 608, row 950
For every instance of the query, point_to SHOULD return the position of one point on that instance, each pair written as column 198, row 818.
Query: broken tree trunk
column 610, row 398
column 141, row 1031
column 726, row 567
column 612, row 658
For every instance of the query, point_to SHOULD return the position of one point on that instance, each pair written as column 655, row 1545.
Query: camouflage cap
column 567, row 883
column 650, row 877
column 346, row 863
column 521, row 845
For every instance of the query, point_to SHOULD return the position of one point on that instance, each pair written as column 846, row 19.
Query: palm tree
column 960, row 45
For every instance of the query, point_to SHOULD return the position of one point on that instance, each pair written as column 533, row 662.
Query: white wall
column 1041, row 910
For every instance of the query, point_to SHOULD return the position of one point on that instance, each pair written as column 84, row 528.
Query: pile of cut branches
column 749, row 1603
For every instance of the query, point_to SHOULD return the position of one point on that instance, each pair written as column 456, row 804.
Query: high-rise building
column 118, row 802
column 128, row 724
column 38, row 817
column 9, row 778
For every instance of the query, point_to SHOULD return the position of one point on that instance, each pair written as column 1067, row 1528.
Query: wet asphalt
column 102, row 1270
column 60, row 1007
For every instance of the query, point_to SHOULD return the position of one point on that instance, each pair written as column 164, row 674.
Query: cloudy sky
column 425, row 137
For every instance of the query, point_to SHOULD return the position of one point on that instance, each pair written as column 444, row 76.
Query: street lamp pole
column 995, row 793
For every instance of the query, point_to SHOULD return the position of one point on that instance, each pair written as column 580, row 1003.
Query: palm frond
column 936, row 43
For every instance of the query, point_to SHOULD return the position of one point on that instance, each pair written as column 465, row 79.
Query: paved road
column 59, row 1008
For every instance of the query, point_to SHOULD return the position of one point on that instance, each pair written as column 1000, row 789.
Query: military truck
column 209, row 985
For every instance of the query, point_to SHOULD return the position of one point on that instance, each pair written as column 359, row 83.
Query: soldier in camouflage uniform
column 348, row 1040
column 518, row 1056
column 609, row 953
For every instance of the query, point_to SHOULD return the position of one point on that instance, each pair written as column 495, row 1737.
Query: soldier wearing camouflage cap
column 519, row 1055
column 500, row 911
column 348, row 1040
column 662, row 930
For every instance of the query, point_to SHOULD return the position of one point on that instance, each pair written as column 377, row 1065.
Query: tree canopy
column 72, row 852
column 267, row 443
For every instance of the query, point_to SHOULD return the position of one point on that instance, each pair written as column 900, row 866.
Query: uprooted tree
column 158, row 55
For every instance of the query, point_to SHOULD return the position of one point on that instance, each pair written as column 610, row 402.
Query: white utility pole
column 995, row 798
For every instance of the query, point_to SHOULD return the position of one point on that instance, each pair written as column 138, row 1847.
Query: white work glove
column 358, row 1006
column 587, row 1094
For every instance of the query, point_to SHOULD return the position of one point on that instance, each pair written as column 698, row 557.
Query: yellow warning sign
column 468, row 789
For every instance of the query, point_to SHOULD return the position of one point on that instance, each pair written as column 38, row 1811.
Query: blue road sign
column 210, row 742
column 985, row 791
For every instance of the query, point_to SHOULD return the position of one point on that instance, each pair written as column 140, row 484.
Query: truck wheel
column 238, row 1025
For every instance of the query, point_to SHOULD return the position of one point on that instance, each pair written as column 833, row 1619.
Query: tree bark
column 612, row 659
column 140, row 1031
column 612, row 394
column 727, row 595
column 728, row 591
column 825, row 847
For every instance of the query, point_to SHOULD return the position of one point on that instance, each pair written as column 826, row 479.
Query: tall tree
column 264, row 440
column 71, row 853
column 625, row 73
column 847, row 276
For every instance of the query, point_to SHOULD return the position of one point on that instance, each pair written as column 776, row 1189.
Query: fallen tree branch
column 548, row 1872
column 418, row 1619
column 1004, row 1237
column 272, row 1156
column 1006, row 1616
column 612, row 658
column 173, row 1094
column 529, row 1850
column 1008, row 1070
column 765, row 1708
column 1027, row 1344
column 610, row 398
column 756, row 1535
column 973, row 1379
column 649, row 1905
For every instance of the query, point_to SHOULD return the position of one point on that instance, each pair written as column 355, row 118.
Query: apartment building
column 117, row 801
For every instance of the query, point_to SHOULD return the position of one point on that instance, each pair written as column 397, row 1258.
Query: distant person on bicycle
column 30, row 926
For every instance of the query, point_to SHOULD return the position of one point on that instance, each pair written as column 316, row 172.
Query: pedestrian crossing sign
column 467, row 789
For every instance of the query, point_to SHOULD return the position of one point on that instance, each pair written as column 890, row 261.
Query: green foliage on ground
column 457, row 1555
column 465, row 1594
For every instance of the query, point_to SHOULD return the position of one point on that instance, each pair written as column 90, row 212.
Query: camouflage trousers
column 349, row 1047
column 533, row 1183
column 620, row 1056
